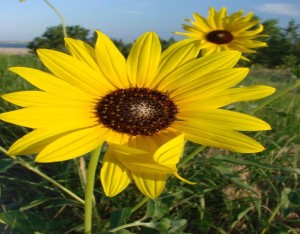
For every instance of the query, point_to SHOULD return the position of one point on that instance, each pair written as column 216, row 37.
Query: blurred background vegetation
column 235, row 193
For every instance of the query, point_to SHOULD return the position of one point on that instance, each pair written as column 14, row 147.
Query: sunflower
column 221, row 32
column 144, row 107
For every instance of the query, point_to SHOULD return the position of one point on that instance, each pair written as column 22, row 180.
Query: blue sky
column 127, row 19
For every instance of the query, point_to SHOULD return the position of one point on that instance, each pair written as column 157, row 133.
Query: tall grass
column 235, row 193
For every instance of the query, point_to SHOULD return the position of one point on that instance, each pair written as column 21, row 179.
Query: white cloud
column 280, row 9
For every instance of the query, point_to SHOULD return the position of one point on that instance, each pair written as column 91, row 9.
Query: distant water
column 13, row 45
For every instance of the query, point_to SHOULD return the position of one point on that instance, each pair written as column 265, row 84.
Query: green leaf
column 290, row 200
column 178, row 226
column 162, row 225
column 5, row 164
column 168, row 226
column 18, row 221
column 241, row 214
column 119, row 217
column 156, row 209
column 34, row 204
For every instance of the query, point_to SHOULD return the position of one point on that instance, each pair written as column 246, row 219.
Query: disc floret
column 136, row 111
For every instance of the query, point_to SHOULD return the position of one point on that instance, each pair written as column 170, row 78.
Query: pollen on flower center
column 219, row 37
column 136, row 111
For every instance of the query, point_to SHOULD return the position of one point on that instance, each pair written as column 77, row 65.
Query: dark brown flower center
column 219, row 37
column 136, row 111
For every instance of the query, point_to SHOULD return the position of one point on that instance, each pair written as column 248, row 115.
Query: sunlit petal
column 82, row 51
column 114, row 176
column 71, row 145
column 151, row 185
column 218, row 137
column 143, row 60
column 74, row 71
column 111, row 62
column 35, row 141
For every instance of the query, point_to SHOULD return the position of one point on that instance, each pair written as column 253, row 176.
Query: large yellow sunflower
column 221, row 32
column 143, row 107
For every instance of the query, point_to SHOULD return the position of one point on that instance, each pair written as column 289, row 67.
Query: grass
column 235, row 193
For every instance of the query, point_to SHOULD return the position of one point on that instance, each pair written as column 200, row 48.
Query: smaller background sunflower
column 221, row 32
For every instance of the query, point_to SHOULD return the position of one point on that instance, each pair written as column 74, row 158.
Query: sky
column 127, row 19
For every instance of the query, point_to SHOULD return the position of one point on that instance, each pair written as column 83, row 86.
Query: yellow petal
column 50, row 83
column 174, row 56
column 182, row 179
column 242, row 48
column 151, row 185
column 75, row 72
column 170, row 152
column 207, row 85
column 72, row 145
column 200, row 67
column 211, row 18
column 253, row 32
column 166, row 156
column 51, row 117
column 143, row 162
column 224, row 119
column 82, row 51
column 143, row 60
column 219, row 17
column 201, row 23
column 125, row 150
column 35, row 141
column 40, row 98
column 218, row 137
column 244, row 26
column 114, row 176
column 229, row 96
column 151, row 144
column 111, row 62
column 114, row 137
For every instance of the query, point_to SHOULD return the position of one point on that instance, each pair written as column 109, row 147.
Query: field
column 10, row 51
column 235, row 193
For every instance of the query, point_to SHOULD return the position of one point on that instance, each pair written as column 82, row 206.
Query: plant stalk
column 89, row 189
column 63, row 22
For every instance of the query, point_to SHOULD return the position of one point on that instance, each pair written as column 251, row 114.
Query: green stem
column 191, row 155
column 140, row 204
column 270, row 219
column 81, row 170
column 44, row 176
column 63, row 22
column 134, row 224
column 89, row 190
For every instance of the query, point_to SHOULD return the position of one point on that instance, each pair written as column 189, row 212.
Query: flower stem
column 44, row 176
column 89, row 190
column 140, row 204
column 191, row 155
column 63, row 22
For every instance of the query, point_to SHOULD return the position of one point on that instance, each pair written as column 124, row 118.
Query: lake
column 13, row 45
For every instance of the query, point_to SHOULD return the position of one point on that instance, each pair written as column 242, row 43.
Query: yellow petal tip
column 182, row 179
